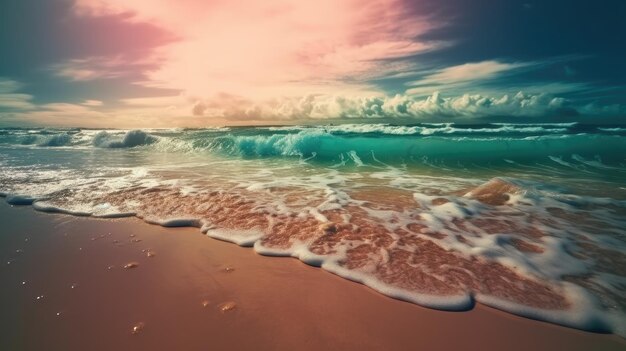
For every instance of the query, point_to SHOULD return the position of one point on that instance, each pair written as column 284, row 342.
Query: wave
column 565, row 124
column 327, row 147
column 432, row 129
column 370, row 143
column 612, row 129
column 132, row 138
column 45, row 139
column 101, row 139
column 56, row 140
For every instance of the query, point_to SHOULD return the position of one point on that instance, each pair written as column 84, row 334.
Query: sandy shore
column 64, row 287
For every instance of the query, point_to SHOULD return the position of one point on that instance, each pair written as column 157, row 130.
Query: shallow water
column 527, row 218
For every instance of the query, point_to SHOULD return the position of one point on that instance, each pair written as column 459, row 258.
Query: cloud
column 264, row 49
column 9, row 85
column 16, row 101
column 469, row 72
column 400, row 106
column 493, row 77
column 55, row 114
column 92, row 103
column 198, row 109
column 181, row 110
column 460, row 77
column 10, row 99
column 404, row 106
column 100, row 67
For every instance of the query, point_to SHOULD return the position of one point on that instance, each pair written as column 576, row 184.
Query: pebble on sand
column 227, row 306
column 205, row 303
column 328, row 228
column 150, row 254
column 131, row 265
column 137, row 328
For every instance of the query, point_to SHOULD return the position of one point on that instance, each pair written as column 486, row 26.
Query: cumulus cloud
column 435, row 106
column 182, row 110
column 198, row 109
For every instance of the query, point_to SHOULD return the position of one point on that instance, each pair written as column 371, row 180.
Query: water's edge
column 590, row 323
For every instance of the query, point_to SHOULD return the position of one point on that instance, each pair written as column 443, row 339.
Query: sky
column 192, row 63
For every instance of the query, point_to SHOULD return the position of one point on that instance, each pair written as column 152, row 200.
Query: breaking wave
column 132, row 138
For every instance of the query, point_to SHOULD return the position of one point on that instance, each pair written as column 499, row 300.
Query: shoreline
column 195, row 293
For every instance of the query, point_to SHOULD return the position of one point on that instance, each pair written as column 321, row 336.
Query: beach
column 193, row 292
column 326, row 175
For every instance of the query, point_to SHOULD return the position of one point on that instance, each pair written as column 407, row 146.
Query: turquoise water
column 528, row 218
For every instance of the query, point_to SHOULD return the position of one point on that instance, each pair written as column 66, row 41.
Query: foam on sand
column 416, row 217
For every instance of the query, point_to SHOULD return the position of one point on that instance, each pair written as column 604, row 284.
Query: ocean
column 527, row 218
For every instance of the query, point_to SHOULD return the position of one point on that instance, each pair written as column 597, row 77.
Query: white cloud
column 16, row 101
column 10, row 99
column 490, row 78
column 435, row 106
column 99, row 67
column 92, row 103
column 468, row 72
column 458, row 78
column 183, row 111
column 9, row 85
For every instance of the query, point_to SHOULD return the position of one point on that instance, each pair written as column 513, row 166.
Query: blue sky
column 108, row 63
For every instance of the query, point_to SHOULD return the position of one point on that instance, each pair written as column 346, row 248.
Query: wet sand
column 196, row 293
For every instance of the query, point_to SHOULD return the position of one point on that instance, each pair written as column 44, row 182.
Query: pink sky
column 262, row 50
column 131, row 63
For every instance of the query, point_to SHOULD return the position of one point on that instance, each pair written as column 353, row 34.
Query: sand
column 181, row 290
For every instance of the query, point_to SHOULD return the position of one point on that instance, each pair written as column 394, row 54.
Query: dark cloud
column 34, row 35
